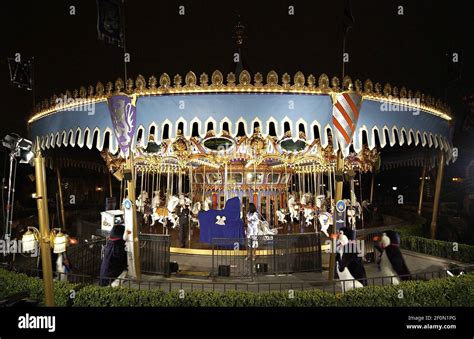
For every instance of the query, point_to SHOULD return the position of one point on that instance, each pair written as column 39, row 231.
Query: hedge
column 411, row 239
column 454, row 291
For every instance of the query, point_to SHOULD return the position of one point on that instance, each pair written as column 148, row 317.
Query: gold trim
column 301, row 85
column 195, row 251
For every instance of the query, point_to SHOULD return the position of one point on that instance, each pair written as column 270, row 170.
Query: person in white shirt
column 252, row 230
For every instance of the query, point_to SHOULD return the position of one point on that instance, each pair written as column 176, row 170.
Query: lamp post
column 43, row 216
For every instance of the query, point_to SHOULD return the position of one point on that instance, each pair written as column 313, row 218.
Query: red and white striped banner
column 345, row 114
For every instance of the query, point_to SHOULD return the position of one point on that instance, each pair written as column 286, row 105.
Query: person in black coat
column 183, row 224
column 115, row 256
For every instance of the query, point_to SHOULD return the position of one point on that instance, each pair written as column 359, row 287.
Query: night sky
column 412, row 50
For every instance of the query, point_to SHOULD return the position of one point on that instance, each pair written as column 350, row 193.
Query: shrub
column 454, row 291
column 11, row 283
column 439, row 248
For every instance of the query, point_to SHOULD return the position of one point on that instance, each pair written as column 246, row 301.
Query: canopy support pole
column 439, row 181
column 422, row 187
column 338, row 196
column 132, row 198
column 61, row 197
column 372, row 186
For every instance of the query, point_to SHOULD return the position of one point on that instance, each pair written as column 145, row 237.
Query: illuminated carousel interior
column 290, row 180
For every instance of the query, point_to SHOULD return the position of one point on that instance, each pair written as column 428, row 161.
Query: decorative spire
column 239, row 62
column 239, row 32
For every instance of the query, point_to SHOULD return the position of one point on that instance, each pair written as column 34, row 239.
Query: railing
column 86, row 258
column 155, row 253
column 277, row 254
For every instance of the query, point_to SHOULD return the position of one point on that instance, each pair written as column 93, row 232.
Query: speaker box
column 224, row 271
column 261, row 267
column 174, row 267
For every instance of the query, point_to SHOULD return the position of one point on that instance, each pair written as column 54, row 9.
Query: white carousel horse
column 141, row 201
column 325, row 220
column 195, row 211
column 207, row 204
column 155, row 202
column 281, row 216
column 293, row 208
column 308, row 210
column 162, row 215
column 264, row 229
column 320, row 201
column 353, row 210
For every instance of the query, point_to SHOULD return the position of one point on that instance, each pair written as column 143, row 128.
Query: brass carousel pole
column 372, row 186
column 61, row 198
column 111, row 192
column 338, row 196
column 131, row 196
column 43, row 216
column 439, row 180
column 422, row 186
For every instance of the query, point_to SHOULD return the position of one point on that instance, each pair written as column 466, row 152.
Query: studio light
column 20, row 151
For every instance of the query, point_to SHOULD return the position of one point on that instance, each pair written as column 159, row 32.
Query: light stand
column 20, row 149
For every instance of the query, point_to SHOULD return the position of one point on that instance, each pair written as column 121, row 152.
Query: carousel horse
column 264, row 230
column 155, row 202
column 141, row 200
column 308, row 210
column 194, row 213
column 353, row 210
column 320, row 201
column 163, row 215
column 325, row 220
column 207, row 204
column 293, row 208
column 281, row 216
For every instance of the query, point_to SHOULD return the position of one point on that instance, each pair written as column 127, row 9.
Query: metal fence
column 86, row 258
column 277, row 254
column 155, row 253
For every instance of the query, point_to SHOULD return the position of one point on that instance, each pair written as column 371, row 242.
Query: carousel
column 275, row 143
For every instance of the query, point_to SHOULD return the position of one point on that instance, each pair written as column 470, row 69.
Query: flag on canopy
column 123, row 112
column 345, row 114
column 109, row 21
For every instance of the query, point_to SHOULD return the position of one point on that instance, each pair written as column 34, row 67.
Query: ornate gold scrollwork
column 140, row 83
column 217, row 79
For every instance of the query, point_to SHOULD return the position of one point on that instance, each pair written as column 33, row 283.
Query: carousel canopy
column 298, row 110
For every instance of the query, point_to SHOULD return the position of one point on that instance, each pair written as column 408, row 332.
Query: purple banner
column 123, row 111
